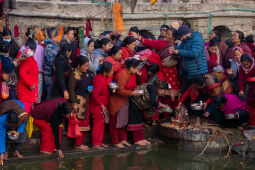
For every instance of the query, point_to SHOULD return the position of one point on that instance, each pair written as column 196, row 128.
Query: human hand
column 205, row 105
column 135, row 35
column 206, row 114
column 104, row 110
column 66, row 95
column 229, row 71
column 241, row 93
column 6, row 77
column 136, row 93
column 179, row 106
column 139, row 73
column 60, row 154
column 237, row 115
column 32, row 88
column 175, row 52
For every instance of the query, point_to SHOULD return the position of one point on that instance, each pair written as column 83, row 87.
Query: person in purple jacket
column 225, row 105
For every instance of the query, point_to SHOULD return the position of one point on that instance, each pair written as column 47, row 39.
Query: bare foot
column 124, row 142
column 97, row 147
column 147, row 142
column 82, row 147
column 105, row 146
column 119, row 145
column 17, row 154
column 5, row 155
column 141, row 143
column 47, row 153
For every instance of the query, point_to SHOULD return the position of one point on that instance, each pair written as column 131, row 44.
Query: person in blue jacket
column 12, row 117
column 192, row 53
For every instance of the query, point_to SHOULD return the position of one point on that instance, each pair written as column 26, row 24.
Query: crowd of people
column 46, row 80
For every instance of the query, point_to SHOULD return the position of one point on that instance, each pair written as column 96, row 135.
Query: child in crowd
column 99, row 104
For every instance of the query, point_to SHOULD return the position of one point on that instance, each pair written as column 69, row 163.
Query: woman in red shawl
column 115, row 58
column 99, row 104
column 247, row 74
column 169, row 62
column 212, row 54
column 128, row 47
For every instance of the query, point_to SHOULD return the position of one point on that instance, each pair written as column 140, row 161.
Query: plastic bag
column 73, row 127
column 5, row 91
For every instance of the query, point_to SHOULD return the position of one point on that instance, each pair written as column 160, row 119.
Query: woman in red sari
column 169, row 62
column 99, row 104
column 115, row 58
column 128, row 47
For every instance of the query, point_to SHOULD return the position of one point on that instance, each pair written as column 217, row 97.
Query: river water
column 162, row 157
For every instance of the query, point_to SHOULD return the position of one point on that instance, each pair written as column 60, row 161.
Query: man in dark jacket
column 193, row 57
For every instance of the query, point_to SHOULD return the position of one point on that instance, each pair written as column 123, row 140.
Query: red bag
column 73, row 127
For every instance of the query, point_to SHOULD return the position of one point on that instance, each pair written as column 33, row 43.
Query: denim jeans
column 48, row 84
column 40, row 87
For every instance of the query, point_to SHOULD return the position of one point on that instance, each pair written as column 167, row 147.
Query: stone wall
column 52, row 13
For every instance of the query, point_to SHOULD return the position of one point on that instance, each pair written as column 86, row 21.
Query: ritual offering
column 141, row 91
column 13, row 135
column 168, row 109
column 113, row 85
column 197, row 106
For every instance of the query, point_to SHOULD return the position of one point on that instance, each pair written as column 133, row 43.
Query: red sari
column 126, row 53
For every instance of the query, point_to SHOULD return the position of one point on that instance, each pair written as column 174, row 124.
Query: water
column 163, row 157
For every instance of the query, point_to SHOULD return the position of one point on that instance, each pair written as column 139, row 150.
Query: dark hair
column 29, row 33
column 90, row 41
column 12, row 117
column 164, row 26
column 105, row 68
column 246, row 57
column 218, row 34
column 240, row 35
column 219, row 101
column 4, row 46
column 118, row 36
column 198, row 80
column 128, row 40
column 105, row 33
column 6, row 32
column 68, row 29
column 214, row 42
column 115, row 49
column 66, row 108
column 161, row 84
column 152, row 67
column 31, row 44
column 249, row 39
column 82, row 60
column 147, row 34
column 66, row 47
column 134, row 29
column 102, row 42
column 174, row 32
column 131, row 62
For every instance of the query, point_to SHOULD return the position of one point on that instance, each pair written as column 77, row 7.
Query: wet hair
column 128, row 40
column 152, row 67
column 102, row 42
column 174, row 32
column 31, row 44
column 6, row 32
column 4, row 46
column 12, row 117
column 134, row 29
column 246, row 57
column 214, row 42
column 114, row 50
column 249, row 39
column 65, row 108
column 68, row 29
column 198, row 80
column 161, row 84
column 82, row 60
column 164, row 26
column 218, row 34
column 240, row 35
column 105, row 68
column 131, row 62
column 219, row 101
column 90, row 41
